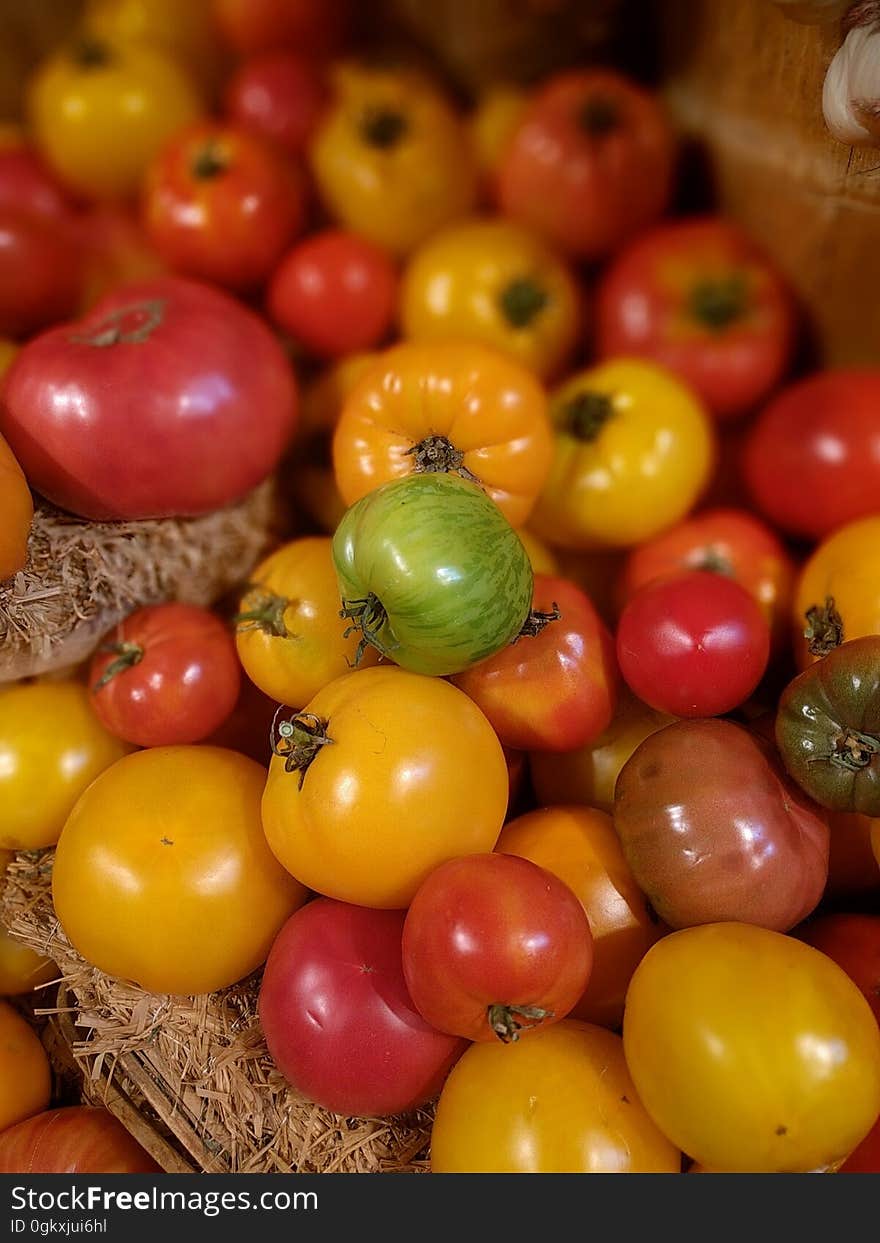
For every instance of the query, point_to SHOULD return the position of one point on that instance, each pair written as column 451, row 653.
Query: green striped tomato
column 432, row 573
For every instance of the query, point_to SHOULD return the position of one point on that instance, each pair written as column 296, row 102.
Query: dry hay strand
column 82, row 577
column 191, row 1077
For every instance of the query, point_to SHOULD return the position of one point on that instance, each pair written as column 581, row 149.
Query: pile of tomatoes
column 537, row 770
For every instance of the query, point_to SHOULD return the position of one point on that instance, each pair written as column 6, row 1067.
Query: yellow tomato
column 391, row 159
column 184, row 28
column 25, row 1077
column 406, row 773
column 845, row 571
column 543, row 559
column 51, row 747
column 561, row 1102
column 101, row 111
column 752, row 1050
column 492, row 124
column 495, row 282
column 162, row 874
column 290, row 637
column 634, row 450
column 16, row 513
column 579, row 845
column 589, row 774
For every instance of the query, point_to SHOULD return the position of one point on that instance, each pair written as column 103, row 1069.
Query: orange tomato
column 492, row 125
column 25, row 1077
column 579, row 845
column 16, row 513
column 838, row 593
column 463, row 408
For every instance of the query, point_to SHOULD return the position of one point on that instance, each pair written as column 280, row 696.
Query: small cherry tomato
column 223, row 205
column 751, row 1050
column 699, row 297
column 495, row 282
column 167, row 674
column 40, row 273
column 590, row 162
column 561, row 1102
column 554, row 689
column 279, row 95
column 79, row 1139
column 838, row 592
column 853, row 942
column 495, row 947
column 101, row 111
column 634, row 450
column 16, row 513
column 289, row 634
column 52, row 746
column 730, row 542
column 579, row 845
column 314, row 27
column 694, row 644
column 338, row 1019
column 812, row 458
column 25, row 1076
column 335, row 293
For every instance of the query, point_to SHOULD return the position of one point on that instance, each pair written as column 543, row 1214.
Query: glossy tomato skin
column 496, row 282
column 853, row 942
column 25, row 1075
column 828, row 728
column 279, row 95
column 579, row 845
column 167, row 674
column 812, row 458
column 561, row 1102
column 694, row 644
column 26, row 184
column 168, row 398
column 432, row 573
column 312, row 26
column 453, row 406
column 495, row 947
column 79, row 1139
column 634, row 451
column 414, row 776
column 838, row 591
column 16, row 513
column 707, row 1006
column 699, row 297
column 222, row 204
column 40, row 273
column 289, row 635
column 731, row 542
column 184, row 824
column 52, row 746
column 712, row 829
column 555, row 690
column 101, row 110
column 338, row 1019
column 590, row 162
column 335, row 292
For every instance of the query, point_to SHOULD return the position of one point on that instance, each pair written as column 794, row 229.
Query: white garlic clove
column 851, row 94
column 813, row 12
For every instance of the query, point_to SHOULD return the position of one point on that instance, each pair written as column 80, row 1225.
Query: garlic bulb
column 813, row 12
column 851, row 94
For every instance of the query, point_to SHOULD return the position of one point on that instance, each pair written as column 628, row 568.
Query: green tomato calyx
column 536, row 622
column 521, row 301
column 437, row 455
column 369, row 617
column 711, row 561
column 383, row 127
column 508, row 1021
column 266, row 613
column 718, row 302
column 586, row 414
column 210, row 160
column 127, row 325
column 824, row 628
column 298, row 740
column 127, row 656
column 91, row 53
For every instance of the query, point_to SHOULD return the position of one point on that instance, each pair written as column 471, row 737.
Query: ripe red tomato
column 168, row 674
column 40, row 272
column 555, row 690
column 310, row 26
column 590, row 162
column 852, row 867
column 694, row 644
column 730, row 542
column 223, row 204
column 336, row 293
column 812, row 459
column 26, row 184
column 167, row 398
column 853, row 941
column 699, row 297
column 495, row 946
column 279, row 95
column 77, row 1140
column 337, row 1016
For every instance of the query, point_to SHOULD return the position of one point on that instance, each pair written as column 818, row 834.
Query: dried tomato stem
column 298, row 740
column 717, row 303
column 367, row 616
column 536, row 622
column 437, row 455
column 506, row 1023
column 267, row 614
column 824, row 628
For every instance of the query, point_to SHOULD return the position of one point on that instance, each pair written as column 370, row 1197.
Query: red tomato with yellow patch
column 554, row 690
